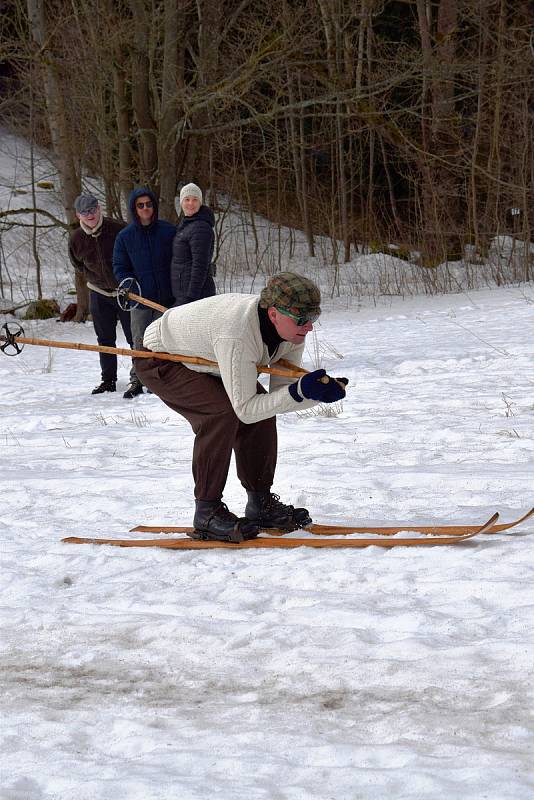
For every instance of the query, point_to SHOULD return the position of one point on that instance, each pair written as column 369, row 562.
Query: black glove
column 310, row 387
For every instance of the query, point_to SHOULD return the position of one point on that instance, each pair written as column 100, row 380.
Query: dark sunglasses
column 301, row 319
column 88, row 213
column 148, row 204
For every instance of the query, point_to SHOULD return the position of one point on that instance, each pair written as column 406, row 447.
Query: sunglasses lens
column 309, row 318
column 88, row 213
column 303, row 319
column 298, row 320
column 145, row 205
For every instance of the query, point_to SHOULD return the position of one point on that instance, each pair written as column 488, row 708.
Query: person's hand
column 318, row 386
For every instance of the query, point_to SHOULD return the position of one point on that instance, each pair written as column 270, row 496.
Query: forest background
column 390, row 126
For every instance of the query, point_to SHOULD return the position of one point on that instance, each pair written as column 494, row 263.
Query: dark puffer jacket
column 144, row 252
column 192, row 253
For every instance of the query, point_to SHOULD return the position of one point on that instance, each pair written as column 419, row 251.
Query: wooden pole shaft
column 149, row 303
column 284, row 372
column 282, row 362
column 285, row 369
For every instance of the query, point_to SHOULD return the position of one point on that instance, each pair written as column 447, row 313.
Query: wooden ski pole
column 294, row 372
column 285, row 370
column 150, row 303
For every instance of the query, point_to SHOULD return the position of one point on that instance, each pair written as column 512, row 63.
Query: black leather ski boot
column 214, row 521
column 267, row 511
column 135, row 387
column 105, row 386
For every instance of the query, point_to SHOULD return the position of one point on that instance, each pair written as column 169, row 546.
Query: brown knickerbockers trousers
column 201, row 398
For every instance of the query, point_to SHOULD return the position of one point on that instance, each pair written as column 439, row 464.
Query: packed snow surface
column 139, row 674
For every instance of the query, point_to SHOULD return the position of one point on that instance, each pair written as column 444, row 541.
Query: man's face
column 91, row 217
column 287, row 328
column 144, row 208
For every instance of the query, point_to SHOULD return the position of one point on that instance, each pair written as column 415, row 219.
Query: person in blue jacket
column 143, row 250
column 192, row 249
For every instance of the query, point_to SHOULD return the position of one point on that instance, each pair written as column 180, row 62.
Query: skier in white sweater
column 226, row 406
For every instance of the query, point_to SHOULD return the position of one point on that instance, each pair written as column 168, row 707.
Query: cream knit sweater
column 226, row 329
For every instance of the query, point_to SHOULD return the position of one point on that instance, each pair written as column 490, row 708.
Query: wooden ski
column 288, row 542
column 343, row 530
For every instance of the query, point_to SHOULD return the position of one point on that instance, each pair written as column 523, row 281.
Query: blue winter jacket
column 192, row 253
column 145, row 253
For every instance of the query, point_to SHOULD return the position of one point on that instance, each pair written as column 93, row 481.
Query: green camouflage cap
column 293, row 292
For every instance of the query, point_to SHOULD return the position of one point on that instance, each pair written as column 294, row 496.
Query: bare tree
column 58, row 121
column 141, row 77
column 170, row 140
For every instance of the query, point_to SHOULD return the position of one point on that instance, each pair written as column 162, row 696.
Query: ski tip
column 526, row 516
column 76, row 540
column 489, row 524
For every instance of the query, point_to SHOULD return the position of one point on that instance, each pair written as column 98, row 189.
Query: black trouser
column 106, row 313
column 202, row 400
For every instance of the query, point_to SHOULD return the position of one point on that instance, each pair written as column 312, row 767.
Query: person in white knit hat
column 190, row 190
column 192, row 249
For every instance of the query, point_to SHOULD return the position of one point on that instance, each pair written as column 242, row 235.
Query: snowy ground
column 276, row 675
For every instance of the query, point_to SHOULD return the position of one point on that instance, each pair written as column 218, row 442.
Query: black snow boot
column 214, row 521
column 267, row 511
column 135, row 387
column 105, row 386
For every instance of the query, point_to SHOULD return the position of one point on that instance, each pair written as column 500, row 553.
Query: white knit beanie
column 190, row 190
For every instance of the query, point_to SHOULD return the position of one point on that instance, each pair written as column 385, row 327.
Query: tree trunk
column 122, row 117
column 296, row 128
column 141, row 94
column 209, row 37
column 61, row 135
column 439, row 134
column 172, row 85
